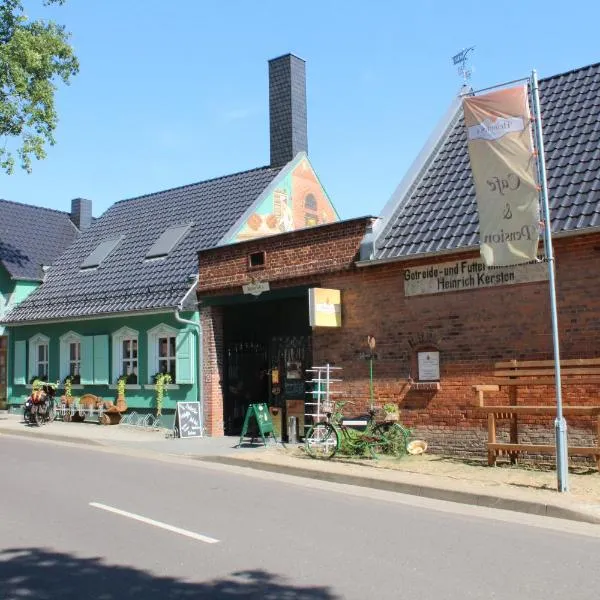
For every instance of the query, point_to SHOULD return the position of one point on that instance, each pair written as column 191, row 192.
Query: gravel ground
column 584, row 480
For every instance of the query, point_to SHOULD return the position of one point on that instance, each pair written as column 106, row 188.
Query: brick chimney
column 287, row 108
column 81, row 213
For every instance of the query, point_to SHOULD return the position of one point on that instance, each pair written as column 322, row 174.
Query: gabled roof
column 126, row 281
column 437, row 212
column 31, row 237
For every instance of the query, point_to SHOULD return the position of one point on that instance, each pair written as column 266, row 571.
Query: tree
column 34, row 54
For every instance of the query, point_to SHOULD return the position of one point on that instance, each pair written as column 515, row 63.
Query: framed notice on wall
column 429, row 366
column 324, row 307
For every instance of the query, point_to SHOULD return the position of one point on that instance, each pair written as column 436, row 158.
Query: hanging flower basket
column 391, row 413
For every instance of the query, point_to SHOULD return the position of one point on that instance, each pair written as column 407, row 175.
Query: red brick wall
column 211, row 319
column 298, row 254
column 472, row 330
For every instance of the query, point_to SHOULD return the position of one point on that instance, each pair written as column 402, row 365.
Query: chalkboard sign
column 189, row 419
column 260, row 412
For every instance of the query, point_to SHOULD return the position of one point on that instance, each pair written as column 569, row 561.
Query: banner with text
column 504, row 171
column 468, row 274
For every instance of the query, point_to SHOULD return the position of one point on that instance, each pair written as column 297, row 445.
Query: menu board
column 189, row 419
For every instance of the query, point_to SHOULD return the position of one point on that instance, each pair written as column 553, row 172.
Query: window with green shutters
column 94, row 367
column 20, row 363
column 184, row 357
column 39, row 357
column 171, row 351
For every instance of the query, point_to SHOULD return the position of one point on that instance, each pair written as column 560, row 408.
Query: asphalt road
column 78, row 523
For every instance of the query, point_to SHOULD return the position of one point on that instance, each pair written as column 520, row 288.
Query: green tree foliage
column 34, row 55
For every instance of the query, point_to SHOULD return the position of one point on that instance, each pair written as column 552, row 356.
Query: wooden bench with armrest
column 514, row 374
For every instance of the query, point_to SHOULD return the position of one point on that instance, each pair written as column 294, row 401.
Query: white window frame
column 34, row 343
column 65, row 352
column 154, row 334
column 118, row 337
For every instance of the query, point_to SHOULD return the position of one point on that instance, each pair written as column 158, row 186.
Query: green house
column 121, row 300
column 31, row 239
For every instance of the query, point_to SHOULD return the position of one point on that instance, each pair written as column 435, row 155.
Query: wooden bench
column 515, row 374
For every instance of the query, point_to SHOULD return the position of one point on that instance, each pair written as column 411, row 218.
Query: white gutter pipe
column 200, row 354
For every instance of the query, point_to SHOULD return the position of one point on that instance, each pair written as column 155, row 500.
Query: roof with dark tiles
column 439, row 212
column 32, row 237
column 125, row 281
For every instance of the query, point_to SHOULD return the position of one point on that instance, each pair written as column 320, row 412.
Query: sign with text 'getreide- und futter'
column 468, row 274
column 504, row 172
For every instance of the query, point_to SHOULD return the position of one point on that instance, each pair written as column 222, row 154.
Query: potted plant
column 121, row 386
column 391, row 412
column 68, row 397
column 161, row 381
column 37, row 389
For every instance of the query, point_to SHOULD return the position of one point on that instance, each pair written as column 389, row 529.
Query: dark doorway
column 267, row 351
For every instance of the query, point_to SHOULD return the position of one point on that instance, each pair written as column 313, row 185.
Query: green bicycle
column 323, row 440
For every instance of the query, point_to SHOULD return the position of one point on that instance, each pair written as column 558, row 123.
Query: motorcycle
column 39, row 406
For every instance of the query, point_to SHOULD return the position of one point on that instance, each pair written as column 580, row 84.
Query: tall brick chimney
column 287, row 108
column 81, row 213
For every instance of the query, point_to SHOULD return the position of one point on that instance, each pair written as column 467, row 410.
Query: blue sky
column 171, row 93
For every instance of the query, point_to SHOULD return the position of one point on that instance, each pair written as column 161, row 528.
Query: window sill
column 60, row 387
column 170, row 386
column 129, row 386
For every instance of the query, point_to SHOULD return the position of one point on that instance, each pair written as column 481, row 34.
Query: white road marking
column 172, row 528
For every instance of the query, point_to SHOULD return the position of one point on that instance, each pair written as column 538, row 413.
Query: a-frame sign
column 260, row 412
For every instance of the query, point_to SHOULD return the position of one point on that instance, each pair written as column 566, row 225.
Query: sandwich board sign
column 189, row 419
column 264, row 422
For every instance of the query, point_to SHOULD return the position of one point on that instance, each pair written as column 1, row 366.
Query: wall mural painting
column 298, row 201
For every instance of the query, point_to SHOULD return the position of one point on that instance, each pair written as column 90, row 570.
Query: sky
column 172, row 93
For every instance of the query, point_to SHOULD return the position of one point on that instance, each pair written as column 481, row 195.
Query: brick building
column 414, row 280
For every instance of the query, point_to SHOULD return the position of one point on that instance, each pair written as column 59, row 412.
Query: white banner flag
column 504, row 171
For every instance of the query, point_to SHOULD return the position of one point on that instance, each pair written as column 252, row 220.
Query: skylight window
column 167, row 241
column 99, row 254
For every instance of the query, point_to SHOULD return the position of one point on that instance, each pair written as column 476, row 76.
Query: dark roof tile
column 32, row 237
column 125, row 281
column 441, row 204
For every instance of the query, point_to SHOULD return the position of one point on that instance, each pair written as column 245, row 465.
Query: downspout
column 200, row 354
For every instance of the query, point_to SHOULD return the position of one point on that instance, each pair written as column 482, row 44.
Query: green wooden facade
column 12, row 292
column 100, row 364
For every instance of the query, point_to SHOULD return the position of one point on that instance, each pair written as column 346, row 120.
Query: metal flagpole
column 560, row 425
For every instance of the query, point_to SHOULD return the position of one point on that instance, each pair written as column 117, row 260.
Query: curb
column 400, row 487
column 51, row 437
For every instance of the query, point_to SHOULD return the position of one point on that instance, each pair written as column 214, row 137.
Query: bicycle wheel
column 322, row 441
column 38, row 418
column 392, row 439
